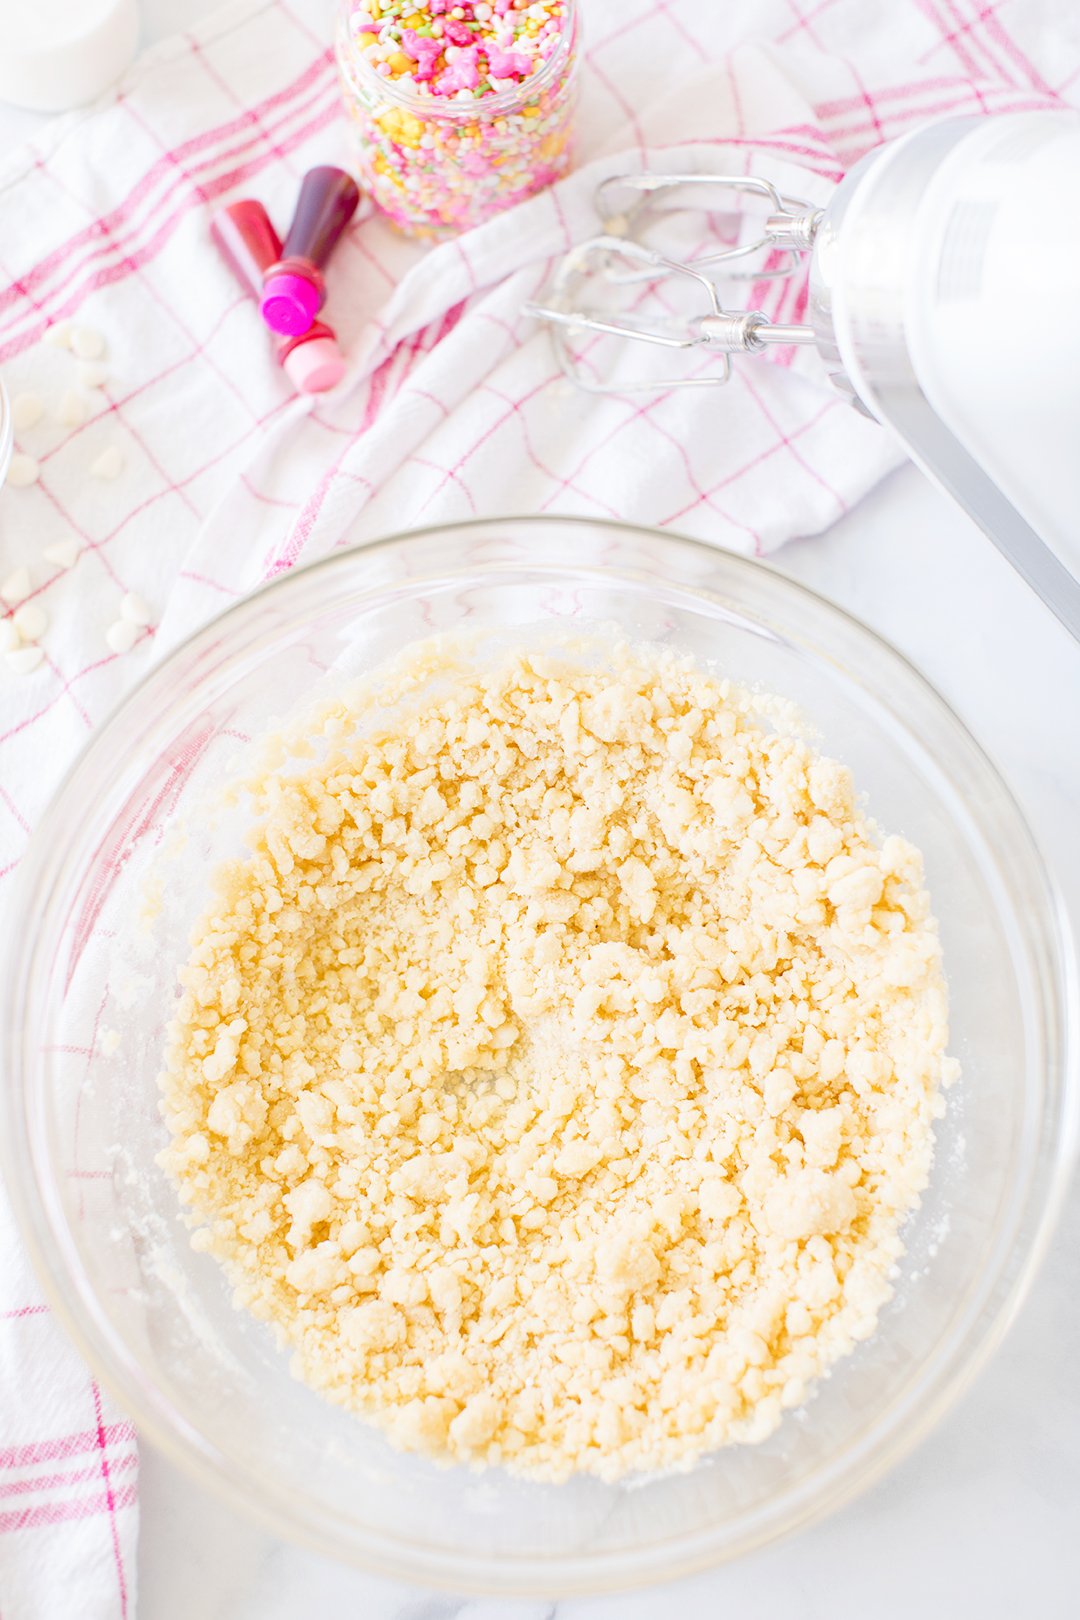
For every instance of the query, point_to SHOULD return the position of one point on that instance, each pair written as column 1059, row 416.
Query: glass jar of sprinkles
column 461, row 108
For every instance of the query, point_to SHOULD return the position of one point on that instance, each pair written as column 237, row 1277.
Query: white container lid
column 56, row 54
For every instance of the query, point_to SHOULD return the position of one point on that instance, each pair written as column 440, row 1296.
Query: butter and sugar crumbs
column 557, row 1069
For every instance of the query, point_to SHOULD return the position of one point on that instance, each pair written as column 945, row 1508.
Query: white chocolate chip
column 26, row 411
column 22, row 470
column 92, row 374
column 9, row 636
column 24, row 660
column 58, row 335
column 16, row 588
column 31, row 621
column 72, row 409
column 87, row 343
column 64, row 553
column 110, row 463
column 122, row 636
column 134, row 609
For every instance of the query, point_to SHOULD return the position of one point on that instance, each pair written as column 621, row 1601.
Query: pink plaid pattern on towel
column 449, row 412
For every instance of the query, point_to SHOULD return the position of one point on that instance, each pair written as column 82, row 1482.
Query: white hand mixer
column 944, row 299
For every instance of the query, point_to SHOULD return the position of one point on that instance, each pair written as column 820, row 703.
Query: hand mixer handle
column 922, row 297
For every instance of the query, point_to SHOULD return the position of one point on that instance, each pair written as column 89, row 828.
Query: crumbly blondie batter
column 557, row 1069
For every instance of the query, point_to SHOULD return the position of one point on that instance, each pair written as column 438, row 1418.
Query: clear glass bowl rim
column 894, row 1432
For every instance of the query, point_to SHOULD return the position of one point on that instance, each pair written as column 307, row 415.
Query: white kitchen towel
column 453, row 408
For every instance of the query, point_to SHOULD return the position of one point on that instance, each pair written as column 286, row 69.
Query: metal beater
column 922, row 304
column 618, row 257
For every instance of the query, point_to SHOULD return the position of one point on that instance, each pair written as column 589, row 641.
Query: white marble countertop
column 982, row 1519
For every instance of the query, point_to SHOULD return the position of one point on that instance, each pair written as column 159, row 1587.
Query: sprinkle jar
column 459, row 109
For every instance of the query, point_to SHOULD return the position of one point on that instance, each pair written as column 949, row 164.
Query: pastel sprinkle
column 462, row 74
column 425, row 52
column 456, row 32
column 507, row 64
column 9, row 636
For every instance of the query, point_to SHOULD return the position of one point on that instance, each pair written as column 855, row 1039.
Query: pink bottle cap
column 290, row 303
column 315, row 367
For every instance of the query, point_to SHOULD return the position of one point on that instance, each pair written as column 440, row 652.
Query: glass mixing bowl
column 117, row 872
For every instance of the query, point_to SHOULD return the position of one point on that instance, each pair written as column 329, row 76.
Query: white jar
column 437, row 164
column 57, row 54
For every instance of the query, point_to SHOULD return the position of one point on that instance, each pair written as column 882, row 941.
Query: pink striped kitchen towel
column 453, row 407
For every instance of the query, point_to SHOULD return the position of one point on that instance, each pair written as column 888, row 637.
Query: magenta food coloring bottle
column 293, row 288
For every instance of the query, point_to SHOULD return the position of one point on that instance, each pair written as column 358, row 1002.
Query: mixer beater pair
column 771, row 234
column 941, row 296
